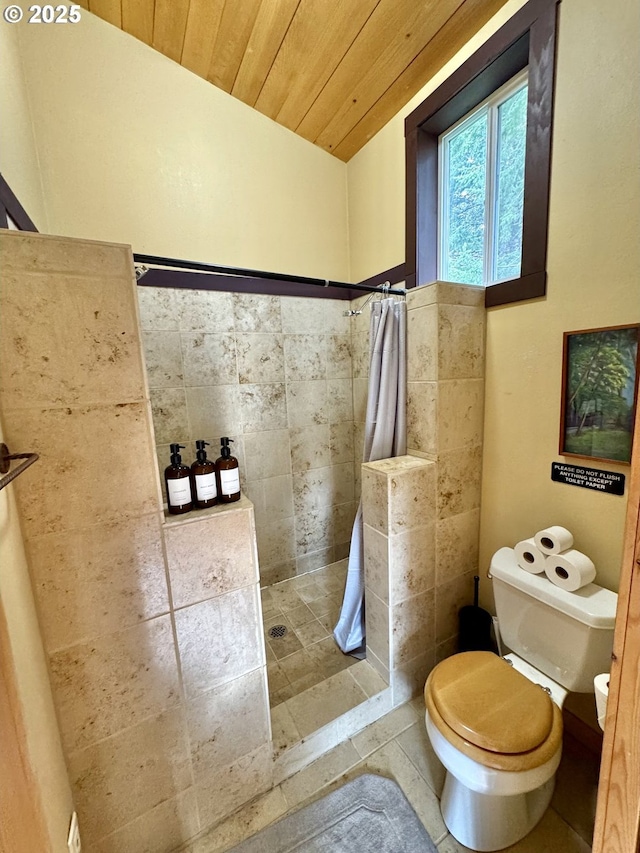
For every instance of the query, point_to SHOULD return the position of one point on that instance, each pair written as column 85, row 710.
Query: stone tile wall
column 275, row 374
column 446, row 358
column 399, row 508
column 157, row 662
column 213, row 575
column 422, row 511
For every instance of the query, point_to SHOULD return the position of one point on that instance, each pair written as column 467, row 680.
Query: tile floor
column 311, row 682
column 308, row 606
column 397, row 746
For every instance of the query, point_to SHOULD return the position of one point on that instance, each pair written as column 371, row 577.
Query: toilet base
column 486, row 822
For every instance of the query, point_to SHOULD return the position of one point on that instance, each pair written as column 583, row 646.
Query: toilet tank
column 566, row 635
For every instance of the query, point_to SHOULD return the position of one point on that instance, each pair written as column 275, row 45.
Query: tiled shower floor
column 308, row 607
column 311, row 682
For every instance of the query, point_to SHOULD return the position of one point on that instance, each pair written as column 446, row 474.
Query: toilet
column 496, row 723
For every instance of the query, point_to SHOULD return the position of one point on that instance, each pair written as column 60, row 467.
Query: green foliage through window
column 482, row 190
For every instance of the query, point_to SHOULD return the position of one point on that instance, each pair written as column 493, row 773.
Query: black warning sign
column 588, row 478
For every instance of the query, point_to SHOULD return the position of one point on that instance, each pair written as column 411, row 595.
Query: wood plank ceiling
column 332, row 71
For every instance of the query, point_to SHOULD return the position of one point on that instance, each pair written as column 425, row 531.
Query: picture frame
column 600, row 370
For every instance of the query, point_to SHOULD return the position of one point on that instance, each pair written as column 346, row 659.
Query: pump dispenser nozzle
column 201, row 453
column 176, row 459
column 225, row 450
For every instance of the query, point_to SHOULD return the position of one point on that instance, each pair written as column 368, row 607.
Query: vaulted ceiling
column 332, row 71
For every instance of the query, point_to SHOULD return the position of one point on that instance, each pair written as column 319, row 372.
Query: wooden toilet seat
column 492, row 713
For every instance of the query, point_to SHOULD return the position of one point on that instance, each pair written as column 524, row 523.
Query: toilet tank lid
column 592, row 605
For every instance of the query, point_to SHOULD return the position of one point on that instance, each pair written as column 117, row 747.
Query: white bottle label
column 230, row 481
column 179, row 491
column 206, row 486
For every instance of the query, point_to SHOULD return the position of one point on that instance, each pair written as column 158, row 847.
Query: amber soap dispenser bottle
column 204, row 477
column 228, row 474
column 177, row 478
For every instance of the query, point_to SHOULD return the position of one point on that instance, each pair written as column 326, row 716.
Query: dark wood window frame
column 527, row 39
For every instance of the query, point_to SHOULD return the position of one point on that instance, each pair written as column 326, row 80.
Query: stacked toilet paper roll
column 530, row 557
column 554, row 540
column 570, row 570
column 551, row 551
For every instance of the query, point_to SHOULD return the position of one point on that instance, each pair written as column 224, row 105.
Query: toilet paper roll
column 529, row 557
column 570, row 570
column 554, row 540
column 601, row 689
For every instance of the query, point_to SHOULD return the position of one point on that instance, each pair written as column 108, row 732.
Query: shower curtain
column 385, row 436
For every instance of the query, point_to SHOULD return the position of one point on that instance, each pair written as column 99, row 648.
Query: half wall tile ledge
column 422, row 454
column 454, row 293
column 445, row 293
column 199, row 514
column 398, row 464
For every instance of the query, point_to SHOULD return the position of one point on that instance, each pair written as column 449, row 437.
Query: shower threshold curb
column 291, row 758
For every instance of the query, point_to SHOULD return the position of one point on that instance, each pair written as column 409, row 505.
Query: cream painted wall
column 593, row 263
column 32, row 678
column 19, row 166
column 18, row 157
column 136, row 149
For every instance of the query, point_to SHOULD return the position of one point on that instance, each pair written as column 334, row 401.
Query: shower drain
column 277, row 631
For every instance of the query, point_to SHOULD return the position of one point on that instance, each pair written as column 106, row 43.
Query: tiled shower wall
column 445, row 420
column 422, row 511
column 275, row 374
column 151, row 625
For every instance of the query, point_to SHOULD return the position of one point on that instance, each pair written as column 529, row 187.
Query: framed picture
column 599, row 393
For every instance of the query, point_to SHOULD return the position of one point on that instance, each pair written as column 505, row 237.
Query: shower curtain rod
column 197, row 266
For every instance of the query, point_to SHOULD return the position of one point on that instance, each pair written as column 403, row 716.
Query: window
column 481, row 189
column 474, row 110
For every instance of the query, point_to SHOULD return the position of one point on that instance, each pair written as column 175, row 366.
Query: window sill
column 531, row 286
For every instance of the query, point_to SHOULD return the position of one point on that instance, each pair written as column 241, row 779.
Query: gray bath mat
column 370, row 814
